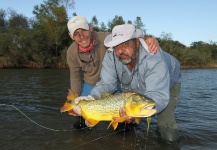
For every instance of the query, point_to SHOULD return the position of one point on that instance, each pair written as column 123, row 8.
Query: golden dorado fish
column 104, row 109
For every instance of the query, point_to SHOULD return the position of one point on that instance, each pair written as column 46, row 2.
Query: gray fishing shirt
column 152, row 76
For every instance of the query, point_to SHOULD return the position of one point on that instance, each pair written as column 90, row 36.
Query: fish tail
column 69, row 104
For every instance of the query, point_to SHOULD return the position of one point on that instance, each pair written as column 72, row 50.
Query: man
column 86, row 53
column 85, row 56
column 129, row 66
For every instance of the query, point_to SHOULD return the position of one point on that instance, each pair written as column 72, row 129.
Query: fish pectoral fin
column 114, row 124
column 121, row 119
column 115, row 121
column 137, row 120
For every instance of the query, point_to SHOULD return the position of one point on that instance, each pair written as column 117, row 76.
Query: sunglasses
column 83, row 57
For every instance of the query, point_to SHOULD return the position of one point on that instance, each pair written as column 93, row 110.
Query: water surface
column 39, row 93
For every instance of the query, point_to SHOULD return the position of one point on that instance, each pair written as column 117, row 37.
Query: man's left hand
column 152, row 43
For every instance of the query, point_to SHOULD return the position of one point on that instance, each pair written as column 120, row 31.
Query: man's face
column 125, row 51
column 82, row 37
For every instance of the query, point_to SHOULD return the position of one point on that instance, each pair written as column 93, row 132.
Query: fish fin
column 115, row 122
column 71, row 95
column 110, row 124
column 121, row 119
column 91, row 122
column 105, row 94
column 137, row 120
column 66, row 107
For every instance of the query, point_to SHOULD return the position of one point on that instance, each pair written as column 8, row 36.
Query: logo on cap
column 118, row 34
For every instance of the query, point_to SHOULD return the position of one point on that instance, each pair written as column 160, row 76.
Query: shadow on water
column 31, row 118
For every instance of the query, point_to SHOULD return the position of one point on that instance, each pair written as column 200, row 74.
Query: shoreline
column 208, row 66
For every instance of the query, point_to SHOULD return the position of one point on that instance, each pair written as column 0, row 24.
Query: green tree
column 175, row 48
column 166, row 36
column 3, row 21
column 50, row 23
column 94, row 23
column 139, row 24
column 118, row 20
column 3, row 33
column 17, row 38
column 103, row 27
column 129, row 22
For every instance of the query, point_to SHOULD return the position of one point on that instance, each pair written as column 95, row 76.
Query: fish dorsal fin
column 105, row 94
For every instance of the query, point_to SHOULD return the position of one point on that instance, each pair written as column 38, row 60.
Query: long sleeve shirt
column 152, row 76
column 86, row 67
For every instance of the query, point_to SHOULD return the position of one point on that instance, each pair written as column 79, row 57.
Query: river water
column 30, row 118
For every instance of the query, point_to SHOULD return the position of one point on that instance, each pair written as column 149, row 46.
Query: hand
column 152, row 43
column 76, row 111
column 122, row 113
column 87, row 98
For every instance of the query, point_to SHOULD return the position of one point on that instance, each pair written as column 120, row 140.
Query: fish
column 107, row 108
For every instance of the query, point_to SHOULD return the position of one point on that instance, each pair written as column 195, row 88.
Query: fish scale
column 104, row 109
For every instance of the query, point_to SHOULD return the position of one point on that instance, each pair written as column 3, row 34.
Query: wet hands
column 86, row 98
column 76, row 111
column 122, row 113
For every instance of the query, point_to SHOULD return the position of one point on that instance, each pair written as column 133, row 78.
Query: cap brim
column 79, row 26
column 109, row 42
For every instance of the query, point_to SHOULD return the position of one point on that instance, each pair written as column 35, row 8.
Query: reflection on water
column 39, row 93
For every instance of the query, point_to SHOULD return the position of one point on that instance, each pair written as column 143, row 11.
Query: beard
column 126, row 59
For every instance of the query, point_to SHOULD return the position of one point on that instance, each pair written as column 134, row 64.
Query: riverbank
column 199, row 66
column 63, row 65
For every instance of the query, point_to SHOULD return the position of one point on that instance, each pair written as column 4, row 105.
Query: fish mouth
column 149, row 107
column 148, row 111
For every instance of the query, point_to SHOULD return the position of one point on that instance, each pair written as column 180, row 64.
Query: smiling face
column 82, row 37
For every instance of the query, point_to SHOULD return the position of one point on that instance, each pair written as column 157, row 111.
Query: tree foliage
column 139, row 24
column 116, row 21
column 43, row 40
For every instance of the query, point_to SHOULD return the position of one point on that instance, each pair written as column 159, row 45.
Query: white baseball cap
column 77, row 22
column 122, row 33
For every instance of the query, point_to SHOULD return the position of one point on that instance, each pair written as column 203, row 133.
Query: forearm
column 108, row 82
column 158, row 85
column 76, row 81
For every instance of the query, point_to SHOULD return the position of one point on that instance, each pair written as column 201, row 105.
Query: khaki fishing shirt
column 86, row 67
